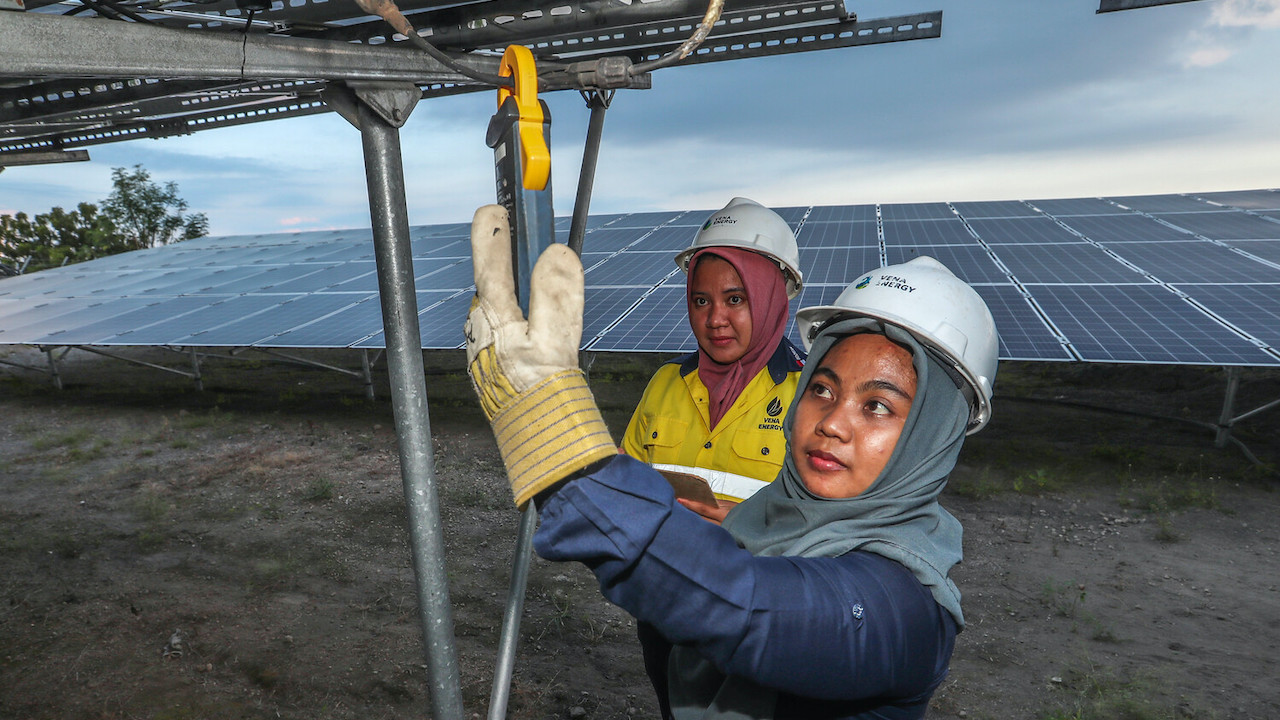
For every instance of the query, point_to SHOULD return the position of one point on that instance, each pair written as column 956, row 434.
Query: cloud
column 1247, row 13
column 1208, row 57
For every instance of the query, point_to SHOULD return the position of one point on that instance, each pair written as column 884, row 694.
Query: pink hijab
column 767, row 296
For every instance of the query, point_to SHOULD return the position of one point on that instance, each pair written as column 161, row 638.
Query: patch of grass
column 1036, row 482
column 318, row 490
column 975, row 485
column 68, row 439
column 1096, row 693
column 1165, row 532
column 1064, row 599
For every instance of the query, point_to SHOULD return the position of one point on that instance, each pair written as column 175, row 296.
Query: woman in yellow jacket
column 717, row 413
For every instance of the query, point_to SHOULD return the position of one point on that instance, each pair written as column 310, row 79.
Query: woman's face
column 719, row 312
column 850, row 416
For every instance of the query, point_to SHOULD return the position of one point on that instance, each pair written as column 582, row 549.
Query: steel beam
column 40, row 45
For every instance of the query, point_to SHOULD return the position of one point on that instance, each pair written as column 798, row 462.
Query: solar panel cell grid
column 1162, row 203
column 837, row 266
column 1023, row 231
column 1254, row 309
column 1246, row 199
column 926, row 232
column 1064, row 264
column 1196, row 261
column 1268, row 250
column 634, row 268
column 1124, row 228
column 841, row 214
column 339, row 330
column 1023, row 333
column 916, row 211
column 1142, row 323
column 838, row 234
column 997, row 209
column 1078, row 206
column 1226, row 225
column 970, row 263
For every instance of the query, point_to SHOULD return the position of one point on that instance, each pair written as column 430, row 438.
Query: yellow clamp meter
column 517, row 64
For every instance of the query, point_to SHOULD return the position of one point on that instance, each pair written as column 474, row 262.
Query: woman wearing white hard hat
column 716, row 413
column 826, row 594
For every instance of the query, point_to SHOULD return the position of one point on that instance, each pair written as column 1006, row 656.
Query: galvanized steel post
column 384, row 173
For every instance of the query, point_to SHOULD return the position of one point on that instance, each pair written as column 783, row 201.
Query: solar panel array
column 1175, row 279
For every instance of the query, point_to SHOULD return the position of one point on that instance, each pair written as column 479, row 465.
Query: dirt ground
column 241, row 552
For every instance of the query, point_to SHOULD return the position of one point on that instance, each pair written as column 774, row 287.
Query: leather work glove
column 526, row 373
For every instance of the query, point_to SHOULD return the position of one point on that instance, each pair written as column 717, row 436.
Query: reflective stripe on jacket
column 744, row 452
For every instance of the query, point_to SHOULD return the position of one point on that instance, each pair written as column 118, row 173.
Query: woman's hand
column 713, row 513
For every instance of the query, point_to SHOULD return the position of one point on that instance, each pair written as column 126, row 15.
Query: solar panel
column 1252, row 308
column 926, row 232
column 838, row 213
column 1108, row 296
column 916, row 211
column 824, row 234
column 970, row 263
column 633, row 268
column 1022, row 231
column 1246, row 199
column 1142, row 323
column 1064, row 264
column 1162, row 203
column 994, row 209
column 1078, row 206
column 1226, row 225
column 1023, row 333
column 1124, row 228
column 837, row 265
column 1266, row 249
column 1196, row 261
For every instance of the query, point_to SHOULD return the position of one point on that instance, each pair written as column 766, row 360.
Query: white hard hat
column 751, row 226
column 924, row 298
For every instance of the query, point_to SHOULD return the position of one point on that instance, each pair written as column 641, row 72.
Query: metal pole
column 195, row 369
column 1228, row 407
column 384, row 173
column 53, row 368
column 510, row 635
column 599, row 103
column 368, row 374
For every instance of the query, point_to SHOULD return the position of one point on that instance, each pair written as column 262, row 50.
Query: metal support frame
column 598, row 102
column 1225, row 419
column 384, row 173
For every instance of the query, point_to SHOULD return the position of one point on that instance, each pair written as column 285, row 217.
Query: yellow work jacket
column 670, row 428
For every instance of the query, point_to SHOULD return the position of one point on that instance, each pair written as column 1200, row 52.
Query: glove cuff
column 549, row 432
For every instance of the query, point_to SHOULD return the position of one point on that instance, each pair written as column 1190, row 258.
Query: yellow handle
column 517, row 63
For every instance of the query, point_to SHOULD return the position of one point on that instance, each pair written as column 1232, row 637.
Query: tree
column 138, row 214
column 148, row 214
column 57, row 237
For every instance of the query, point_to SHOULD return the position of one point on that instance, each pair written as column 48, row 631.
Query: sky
column 1016, row 100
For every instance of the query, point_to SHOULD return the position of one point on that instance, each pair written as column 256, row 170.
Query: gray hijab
column 898, row 517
